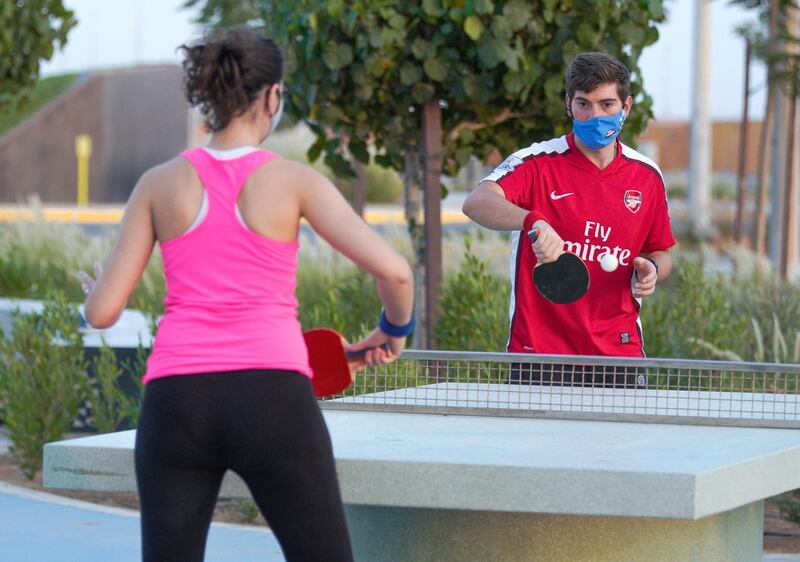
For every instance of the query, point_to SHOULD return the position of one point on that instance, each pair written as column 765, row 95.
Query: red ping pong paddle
column 329, row 361
column 562, row 281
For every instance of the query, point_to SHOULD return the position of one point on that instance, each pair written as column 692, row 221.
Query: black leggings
column 264, row 425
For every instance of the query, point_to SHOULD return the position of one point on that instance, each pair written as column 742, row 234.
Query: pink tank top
column 230, row 301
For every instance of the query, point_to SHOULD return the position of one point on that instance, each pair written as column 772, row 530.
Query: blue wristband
column 393, row 330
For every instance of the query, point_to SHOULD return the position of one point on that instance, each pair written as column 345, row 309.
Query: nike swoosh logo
column 554, row 196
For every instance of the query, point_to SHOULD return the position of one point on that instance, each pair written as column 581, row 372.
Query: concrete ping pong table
column 439, row 460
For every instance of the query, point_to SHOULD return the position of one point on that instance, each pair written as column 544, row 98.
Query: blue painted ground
column 39, row 527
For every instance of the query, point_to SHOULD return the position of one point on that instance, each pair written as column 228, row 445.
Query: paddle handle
column 353, row 355
column 534, row 234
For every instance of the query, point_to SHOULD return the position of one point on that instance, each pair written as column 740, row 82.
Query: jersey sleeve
column 660, row 236
column 516, row 177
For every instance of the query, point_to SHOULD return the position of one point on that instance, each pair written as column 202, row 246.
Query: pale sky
column 121, row 33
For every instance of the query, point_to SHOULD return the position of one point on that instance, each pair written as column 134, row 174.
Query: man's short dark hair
column 589, row 70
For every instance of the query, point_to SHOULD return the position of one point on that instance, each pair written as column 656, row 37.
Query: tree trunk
column 767, row 154
column 788, row 260
column 759, row 241
column 778, row 135
column 738, row 227
column 432, row 168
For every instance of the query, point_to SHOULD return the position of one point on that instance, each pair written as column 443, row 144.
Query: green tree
column 30, row 31
column 362, row 74
column 773, row 41
column 224, row 13
column 365, row 69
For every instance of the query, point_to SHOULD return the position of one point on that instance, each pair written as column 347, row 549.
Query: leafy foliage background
column 29, row 33
column 360, row 71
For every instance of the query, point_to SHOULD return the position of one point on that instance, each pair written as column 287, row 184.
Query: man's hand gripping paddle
column 329, row 361
column 562, row 281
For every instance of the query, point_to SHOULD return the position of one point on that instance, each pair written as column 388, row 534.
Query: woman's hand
column 87, row 283
column 381, row 349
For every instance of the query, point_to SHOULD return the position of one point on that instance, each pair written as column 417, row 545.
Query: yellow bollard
column 83, row 151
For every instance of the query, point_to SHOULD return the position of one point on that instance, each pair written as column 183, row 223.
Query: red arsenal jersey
column 621, row 210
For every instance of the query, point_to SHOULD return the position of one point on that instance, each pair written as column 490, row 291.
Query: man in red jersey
column 591, row 195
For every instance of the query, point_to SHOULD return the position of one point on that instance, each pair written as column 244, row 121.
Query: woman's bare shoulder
column 290, row 173
column 170, row 173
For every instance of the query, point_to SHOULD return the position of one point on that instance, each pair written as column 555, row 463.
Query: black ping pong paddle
column 562, row 281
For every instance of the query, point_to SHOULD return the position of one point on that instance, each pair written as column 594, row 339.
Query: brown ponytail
column 225, row 71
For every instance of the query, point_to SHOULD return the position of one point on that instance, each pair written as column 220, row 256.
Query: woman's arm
column 129, row 257
column 334, row 220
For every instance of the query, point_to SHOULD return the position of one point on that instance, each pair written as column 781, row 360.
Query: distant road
column 96, row 217
column 112, row 214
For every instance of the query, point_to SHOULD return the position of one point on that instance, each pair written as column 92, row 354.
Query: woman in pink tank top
column 227, row 383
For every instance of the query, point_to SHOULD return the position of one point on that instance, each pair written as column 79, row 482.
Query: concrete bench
column 458, row 487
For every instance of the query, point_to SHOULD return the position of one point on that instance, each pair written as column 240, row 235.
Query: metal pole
column 83, row 151
column 700, row 142
column 741, row 174
column 432, row 162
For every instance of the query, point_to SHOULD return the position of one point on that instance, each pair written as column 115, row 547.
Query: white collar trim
column 230, row 153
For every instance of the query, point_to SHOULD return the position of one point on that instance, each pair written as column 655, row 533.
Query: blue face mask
column 599, row 131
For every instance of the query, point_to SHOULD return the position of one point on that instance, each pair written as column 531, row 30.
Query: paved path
column 37, row 526
column 48, row 528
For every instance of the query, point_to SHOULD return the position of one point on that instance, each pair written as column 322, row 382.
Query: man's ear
column 627, row 106
column 567, row 103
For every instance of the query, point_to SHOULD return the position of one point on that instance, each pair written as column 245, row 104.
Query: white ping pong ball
column 609, row 262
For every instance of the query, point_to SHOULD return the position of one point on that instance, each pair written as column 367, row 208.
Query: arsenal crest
column 633, row 200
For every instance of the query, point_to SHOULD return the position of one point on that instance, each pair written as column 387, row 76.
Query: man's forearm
column 663, row 260
column 491, row 210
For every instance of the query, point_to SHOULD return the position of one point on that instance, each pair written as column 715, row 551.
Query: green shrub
column 473, row 313
column 677, row 190
column 689, row 308
column 134, row 369
column 789, row 505
column 383, row 185
column 43, row 379
column 748, row 317
column 112, row 409
column 723, row 191
column 37, row 256
column 344, row 300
